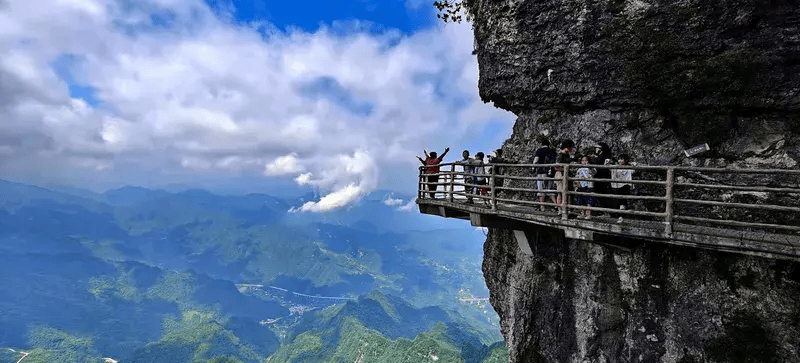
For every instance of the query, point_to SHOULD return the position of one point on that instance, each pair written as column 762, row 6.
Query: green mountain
column 146, row 276
column 384, row 329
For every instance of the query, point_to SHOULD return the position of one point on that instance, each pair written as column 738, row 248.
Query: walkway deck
column 746, row 237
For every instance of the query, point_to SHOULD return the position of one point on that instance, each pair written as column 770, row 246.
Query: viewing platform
column 748, row 211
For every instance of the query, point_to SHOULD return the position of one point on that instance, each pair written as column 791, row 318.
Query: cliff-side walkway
column 750, row 211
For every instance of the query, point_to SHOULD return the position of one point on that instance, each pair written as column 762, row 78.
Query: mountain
column 384, row 329
column 149, row 275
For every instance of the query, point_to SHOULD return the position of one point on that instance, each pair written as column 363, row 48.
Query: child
column 622, row 188
column 586, row 186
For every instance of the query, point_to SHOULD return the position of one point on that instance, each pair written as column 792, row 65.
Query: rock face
column 577, row 301
column 650, row 78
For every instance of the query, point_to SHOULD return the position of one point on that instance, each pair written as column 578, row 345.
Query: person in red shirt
column 434, row 161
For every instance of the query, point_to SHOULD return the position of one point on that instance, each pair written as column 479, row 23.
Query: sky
column 242, row 96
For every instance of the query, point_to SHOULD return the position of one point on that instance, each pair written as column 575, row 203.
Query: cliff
column 650, row 78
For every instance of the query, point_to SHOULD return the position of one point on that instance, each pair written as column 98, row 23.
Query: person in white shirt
column 466, row 164
column 480, row 169
column 619, row 186
column 586, row 186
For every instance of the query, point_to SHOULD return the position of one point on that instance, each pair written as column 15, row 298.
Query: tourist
column 497, row 181
column 563, row 157
column 480, row 181
column 544, row 155
column 585, row 186
column 603, row 157
column 620, row 187
column 433, row 168
column 467, row 168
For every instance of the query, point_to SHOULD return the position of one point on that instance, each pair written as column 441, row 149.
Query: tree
column 452, row 10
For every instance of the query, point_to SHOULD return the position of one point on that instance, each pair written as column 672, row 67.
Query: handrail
column 637, row 167
column 674, row 198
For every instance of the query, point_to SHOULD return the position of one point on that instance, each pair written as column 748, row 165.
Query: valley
column 151, row 276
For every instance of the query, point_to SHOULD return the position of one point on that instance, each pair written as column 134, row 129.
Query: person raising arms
column 432, row 161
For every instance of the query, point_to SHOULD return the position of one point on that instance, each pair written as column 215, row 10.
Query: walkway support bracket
column 522, row 241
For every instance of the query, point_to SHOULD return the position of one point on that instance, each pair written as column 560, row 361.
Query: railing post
column 419, row 180
column 669, row 212
column 492, row 180
column 565, row 187
column 452, row 185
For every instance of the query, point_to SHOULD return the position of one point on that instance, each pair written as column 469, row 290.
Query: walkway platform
column 772, row 238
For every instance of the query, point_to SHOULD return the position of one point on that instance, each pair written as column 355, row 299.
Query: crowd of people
column 591, row 179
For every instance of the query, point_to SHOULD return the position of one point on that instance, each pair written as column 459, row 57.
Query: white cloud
column 408, row 206
column 207, row 96
column 391, row 201
column 337, row 199
column 287, row 164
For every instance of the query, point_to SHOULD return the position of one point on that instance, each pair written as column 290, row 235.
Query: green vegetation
column 174, row 286
column 133, row 281
column 197, row 337
column 374, row 346
column 453, row 11
column 54, row 345
column 121, row 287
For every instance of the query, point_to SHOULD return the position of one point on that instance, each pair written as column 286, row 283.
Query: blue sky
column 308, row 15
column 243, row 96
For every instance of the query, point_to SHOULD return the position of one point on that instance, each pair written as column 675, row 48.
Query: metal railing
column 734, row 199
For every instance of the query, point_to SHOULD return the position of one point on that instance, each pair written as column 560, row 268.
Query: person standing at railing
column 563, row 157
column 586, row 186
column 480, row 180
column 620, row 187
column 498, row 170
column 544, row 155
column 603, row 157
column 467, row 168
column 433, row 168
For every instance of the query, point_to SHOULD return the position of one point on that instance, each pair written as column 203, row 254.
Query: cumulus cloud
column 287, row 164
column 408, row 206
column 203, row 95
column 391, row 201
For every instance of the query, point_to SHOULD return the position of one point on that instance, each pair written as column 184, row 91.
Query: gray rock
column 650, row 78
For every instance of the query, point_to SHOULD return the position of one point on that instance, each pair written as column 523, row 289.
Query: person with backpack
column 566, row 147
column 544, row 155
column 433, row 168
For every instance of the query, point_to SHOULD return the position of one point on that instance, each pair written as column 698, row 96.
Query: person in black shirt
column 498, row 170
column 544, row 155
column 603, row 157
